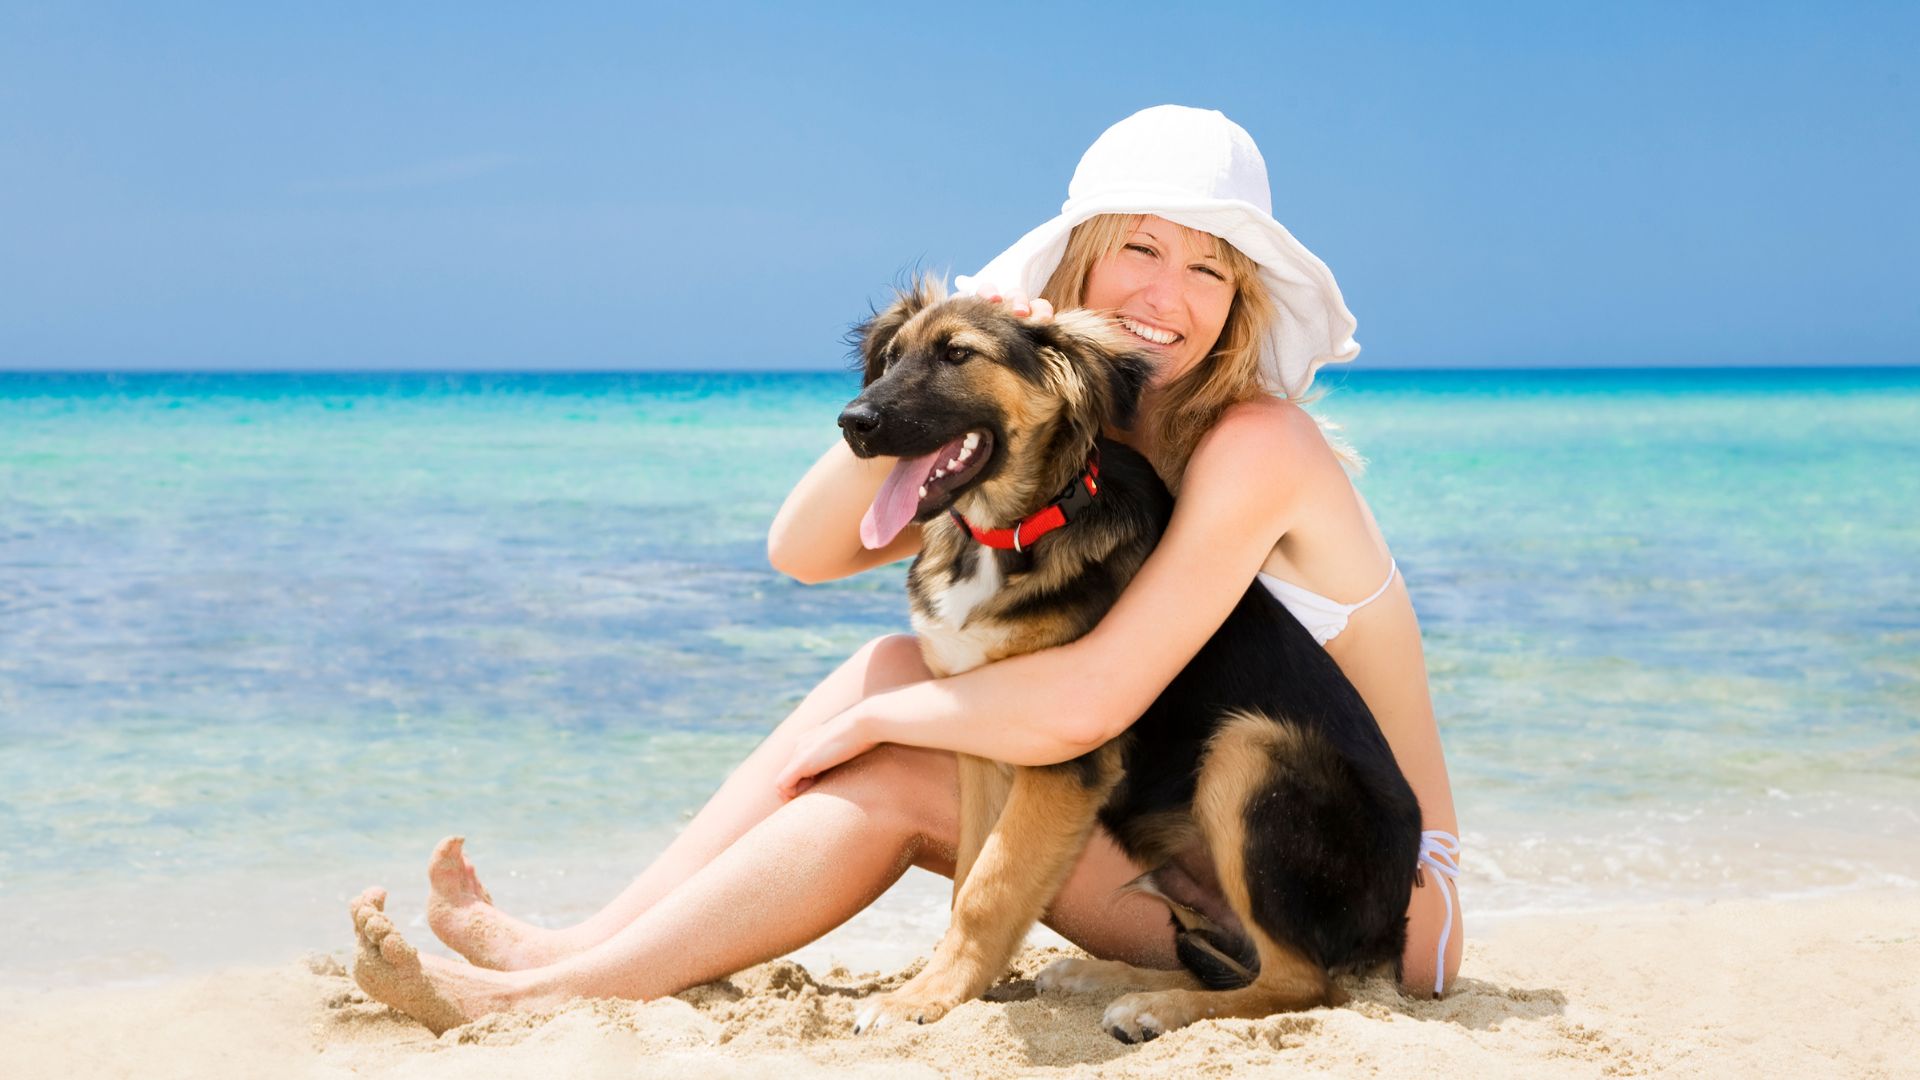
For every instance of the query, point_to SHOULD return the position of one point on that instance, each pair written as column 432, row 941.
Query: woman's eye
column 1211, row 272
column 1141, row 248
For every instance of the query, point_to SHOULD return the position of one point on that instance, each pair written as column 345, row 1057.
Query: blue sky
column 612, row 186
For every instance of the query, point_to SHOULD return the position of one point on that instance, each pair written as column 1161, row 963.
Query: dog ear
column 1103, row 370
column 1127, row 376
column 870, row 339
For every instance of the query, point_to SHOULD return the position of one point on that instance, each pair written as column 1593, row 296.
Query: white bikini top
column 1322, row 617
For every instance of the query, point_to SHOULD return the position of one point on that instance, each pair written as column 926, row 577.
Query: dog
column 1282, row 834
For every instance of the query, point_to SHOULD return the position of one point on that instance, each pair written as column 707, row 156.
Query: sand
column 1824, row 986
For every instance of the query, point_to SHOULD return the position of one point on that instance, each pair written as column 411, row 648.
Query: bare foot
column 389, row 969
column 462, row 914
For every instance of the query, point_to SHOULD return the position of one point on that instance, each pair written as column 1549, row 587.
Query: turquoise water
column 263, row 638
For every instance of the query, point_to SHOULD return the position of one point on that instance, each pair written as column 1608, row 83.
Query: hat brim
column 1314, row 327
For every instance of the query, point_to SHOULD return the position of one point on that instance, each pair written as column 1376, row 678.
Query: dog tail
column 1219, row 958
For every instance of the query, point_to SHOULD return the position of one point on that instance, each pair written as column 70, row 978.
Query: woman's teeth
column 956, row 462
column 1158, row 337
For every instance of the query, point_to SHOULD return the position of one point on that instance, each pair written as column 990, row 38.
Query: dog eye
column 958, row 354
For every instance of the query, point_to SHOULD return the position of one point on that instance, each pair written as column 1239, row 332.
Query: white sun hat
column 1196, row 168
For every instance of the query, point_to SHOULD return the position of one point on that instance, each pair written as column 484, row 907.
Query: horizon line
column 1324, row 372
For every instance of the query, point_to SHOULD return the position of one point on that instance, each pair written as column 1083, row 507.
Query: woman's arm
column 1055, row 704
column 1380, row 653
column 816, row 535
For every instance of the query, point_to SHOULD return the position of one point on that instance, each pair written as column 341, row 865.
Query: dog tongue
column 898, row 499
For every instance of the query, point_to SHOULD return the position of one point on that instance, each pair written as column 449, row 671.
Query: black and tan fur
column 1258, row 785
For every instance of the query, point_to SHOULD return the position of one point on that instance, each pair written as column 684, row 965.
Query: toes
column 375, row 928
column 473, row 882
column 450, row 868
column 889, row 1010
column 1132, row 1020
column 447, row 854
column 398, row 951
column 1048, row 978
column 368, row 904
column 377, row 935
column 1075, row 975
column 1059, row 975
column 878, row 1014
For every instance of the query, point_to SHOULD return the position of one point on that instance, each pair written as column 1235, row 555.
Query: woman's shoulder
column 1265, row 432
column 1265, row 460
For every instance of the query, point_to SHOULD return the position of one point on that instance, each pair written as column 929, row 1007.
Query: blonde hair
column 1190, row 405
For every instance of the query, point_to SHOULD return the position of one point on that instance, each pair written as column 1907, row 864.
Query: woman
column 1167, row 227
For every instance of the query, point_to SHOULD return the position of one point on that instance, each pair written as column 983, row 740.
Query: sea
column 265, row 638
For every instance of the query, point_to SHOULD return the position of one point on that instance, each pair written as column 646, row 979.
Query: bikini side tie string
column 1440, row 852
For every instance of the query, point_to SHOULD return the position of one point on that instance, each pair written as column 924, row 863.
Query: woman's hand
column 835, row 742
column 1036, row 308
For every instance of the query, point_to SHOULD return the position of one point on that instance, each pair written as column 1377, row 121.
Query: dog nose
column 859, row 420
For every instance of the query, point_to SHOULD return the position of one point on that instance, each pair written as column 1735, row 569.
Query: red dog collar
column 1077, row 497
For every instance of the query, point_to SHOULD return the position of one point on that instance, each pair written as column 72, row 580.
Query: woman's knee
column 880, row 664
column 893, row 660
column 913, row 789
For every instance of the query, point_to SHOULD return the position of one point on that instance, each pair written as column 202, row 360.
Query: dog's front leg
column 1049, row 814
column 984, row 785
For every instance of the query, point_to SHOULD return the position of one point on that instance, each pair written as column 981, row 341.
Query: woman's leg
column 462, row 914
column 799, row 872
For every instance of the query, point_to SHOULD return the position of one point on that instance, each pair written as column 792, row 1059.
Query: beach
column 398, row 407
column 265, row 639
column 1812, row 987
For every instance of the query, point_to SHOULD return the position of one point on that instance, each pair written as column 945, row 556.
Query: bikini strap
column 1440, row 852
column 1393, row 569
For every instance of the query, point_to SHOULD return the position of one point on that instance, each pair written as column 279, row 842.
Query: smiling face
column 1169, row 287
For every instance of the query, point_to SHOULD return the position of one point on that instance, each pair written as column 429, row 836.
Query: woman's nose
column 1161, row 291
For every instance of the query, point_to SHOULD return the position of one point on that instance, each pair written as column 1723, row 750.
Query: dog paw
column 900, row 1007
column 1132, row 1019
column 1070, row 976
